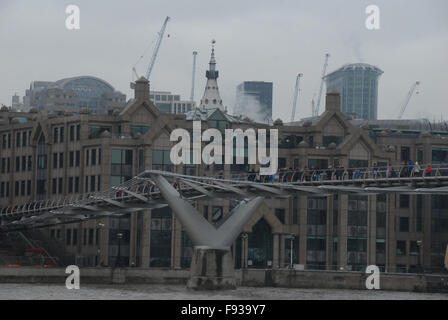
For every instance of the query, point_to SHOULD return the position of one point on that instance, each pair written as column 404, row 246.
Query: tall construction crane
column 156, row 48
column 195, row 53
column 408, row 98
column 315, row 109
column 296, row 94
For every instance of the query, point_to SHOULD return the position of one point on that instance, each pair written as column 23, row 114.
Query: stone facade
column 48, row 156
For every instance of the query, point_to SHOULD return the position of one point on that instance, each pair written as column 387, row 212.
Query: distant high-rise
column 254, row 100
column 358, row 86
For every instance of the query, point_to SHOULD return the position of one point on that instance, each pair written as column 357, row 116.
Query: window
column 78, row 158
column 55, row 160
column 404, row 201
column 414, row 250
column 76, row 184
column 61, row 160
column 439, row 155
column 4, row 141
column 16, row 189
column 71, row 159
column 87, row 157
column 121, row 166
column 90, row 236
column 18, row 139
column 205, row 212
column 62, row 135
column 68, row 238
column 139, row 129
column 28, row 187
column 99, row 156
column 42, row 161
column 22, row 188
column 161, row 160
column 17, row 164
column 23, row 163
column 3, row 165
column 78, row 132
column 330, row 139
column 53, row 186
column 30, row 163
column 92, row 183
column 75, row 237
column 217, row 213
column 405, row 153
column 55, row 135
column 24, row 135
column 96, row 131
column 404, row 224
column 72, row 133
column 60, row 185
column 70, row 185
column 401, row 248
column 93, row 157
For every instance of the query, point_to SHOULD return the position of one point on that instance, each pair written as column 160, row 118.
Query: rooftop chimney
column 141, row 90
column 333, row 101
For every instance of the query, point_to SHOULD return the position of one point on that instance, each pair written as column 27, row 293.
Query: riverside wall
column 244, row 277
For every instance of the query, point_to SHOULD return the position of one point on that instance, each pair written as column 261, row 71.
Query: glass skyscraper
column 358, row 85
column 254, row 100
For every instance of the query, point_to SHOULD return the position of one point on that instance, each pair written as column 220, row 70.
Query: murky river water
column 129, row 292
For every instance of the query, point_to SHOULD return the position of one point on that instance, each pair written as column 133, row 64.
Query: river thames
column 11, row 291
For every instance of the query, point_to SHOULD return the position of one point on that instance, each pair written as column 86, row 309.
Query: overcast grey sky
column 256, row 40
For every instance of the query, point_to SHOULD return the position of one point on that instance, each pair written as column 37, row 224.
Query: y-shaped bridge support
column 212, row 264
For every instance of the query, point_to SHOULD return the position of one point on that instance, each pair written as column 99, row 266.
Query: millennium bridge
column 144, row 192
column 212, row 265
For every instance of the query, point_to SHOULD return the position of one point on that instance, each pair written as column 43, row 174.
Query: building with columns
column 47, row 156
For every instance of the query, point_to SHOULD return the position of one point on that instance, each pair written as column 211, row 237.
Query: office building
column 168, row 102
column 73, row 95
column 254, row 100
column 358, row 86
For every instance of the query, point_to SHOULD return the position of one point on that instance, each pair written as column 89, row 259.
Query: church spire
column 211, row 97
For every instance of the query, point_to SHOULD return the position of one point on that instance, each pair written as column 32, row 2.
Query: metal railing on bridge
column 141, row 192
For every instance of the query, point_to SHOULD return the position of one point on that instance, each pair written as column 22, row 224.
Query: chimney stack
column 333, row 101
column 141, row 90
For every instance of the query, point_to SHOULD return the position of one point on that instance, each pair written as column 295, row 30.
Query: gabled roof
column 204, row 114
column 133, row 105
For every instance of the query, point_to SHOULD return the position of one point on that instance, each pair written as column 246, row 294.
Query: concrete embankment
column 247, row 277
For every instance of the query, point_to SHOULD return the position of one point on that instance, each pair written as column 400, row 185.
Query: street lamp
column 244, row 237
column 100, row 225
column 291, row 238
column 117, row 261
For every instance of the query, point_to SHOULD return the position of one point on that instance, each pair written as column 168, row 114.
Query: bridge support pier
column 212, row 264
column 211, row 269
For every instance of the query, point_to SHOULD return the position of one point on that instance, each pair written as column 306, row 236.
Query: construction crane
column 156, row 48
column 315, row 109
column 195, row 53
column 154, row 54
column 296, row 94
column 408, row 98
